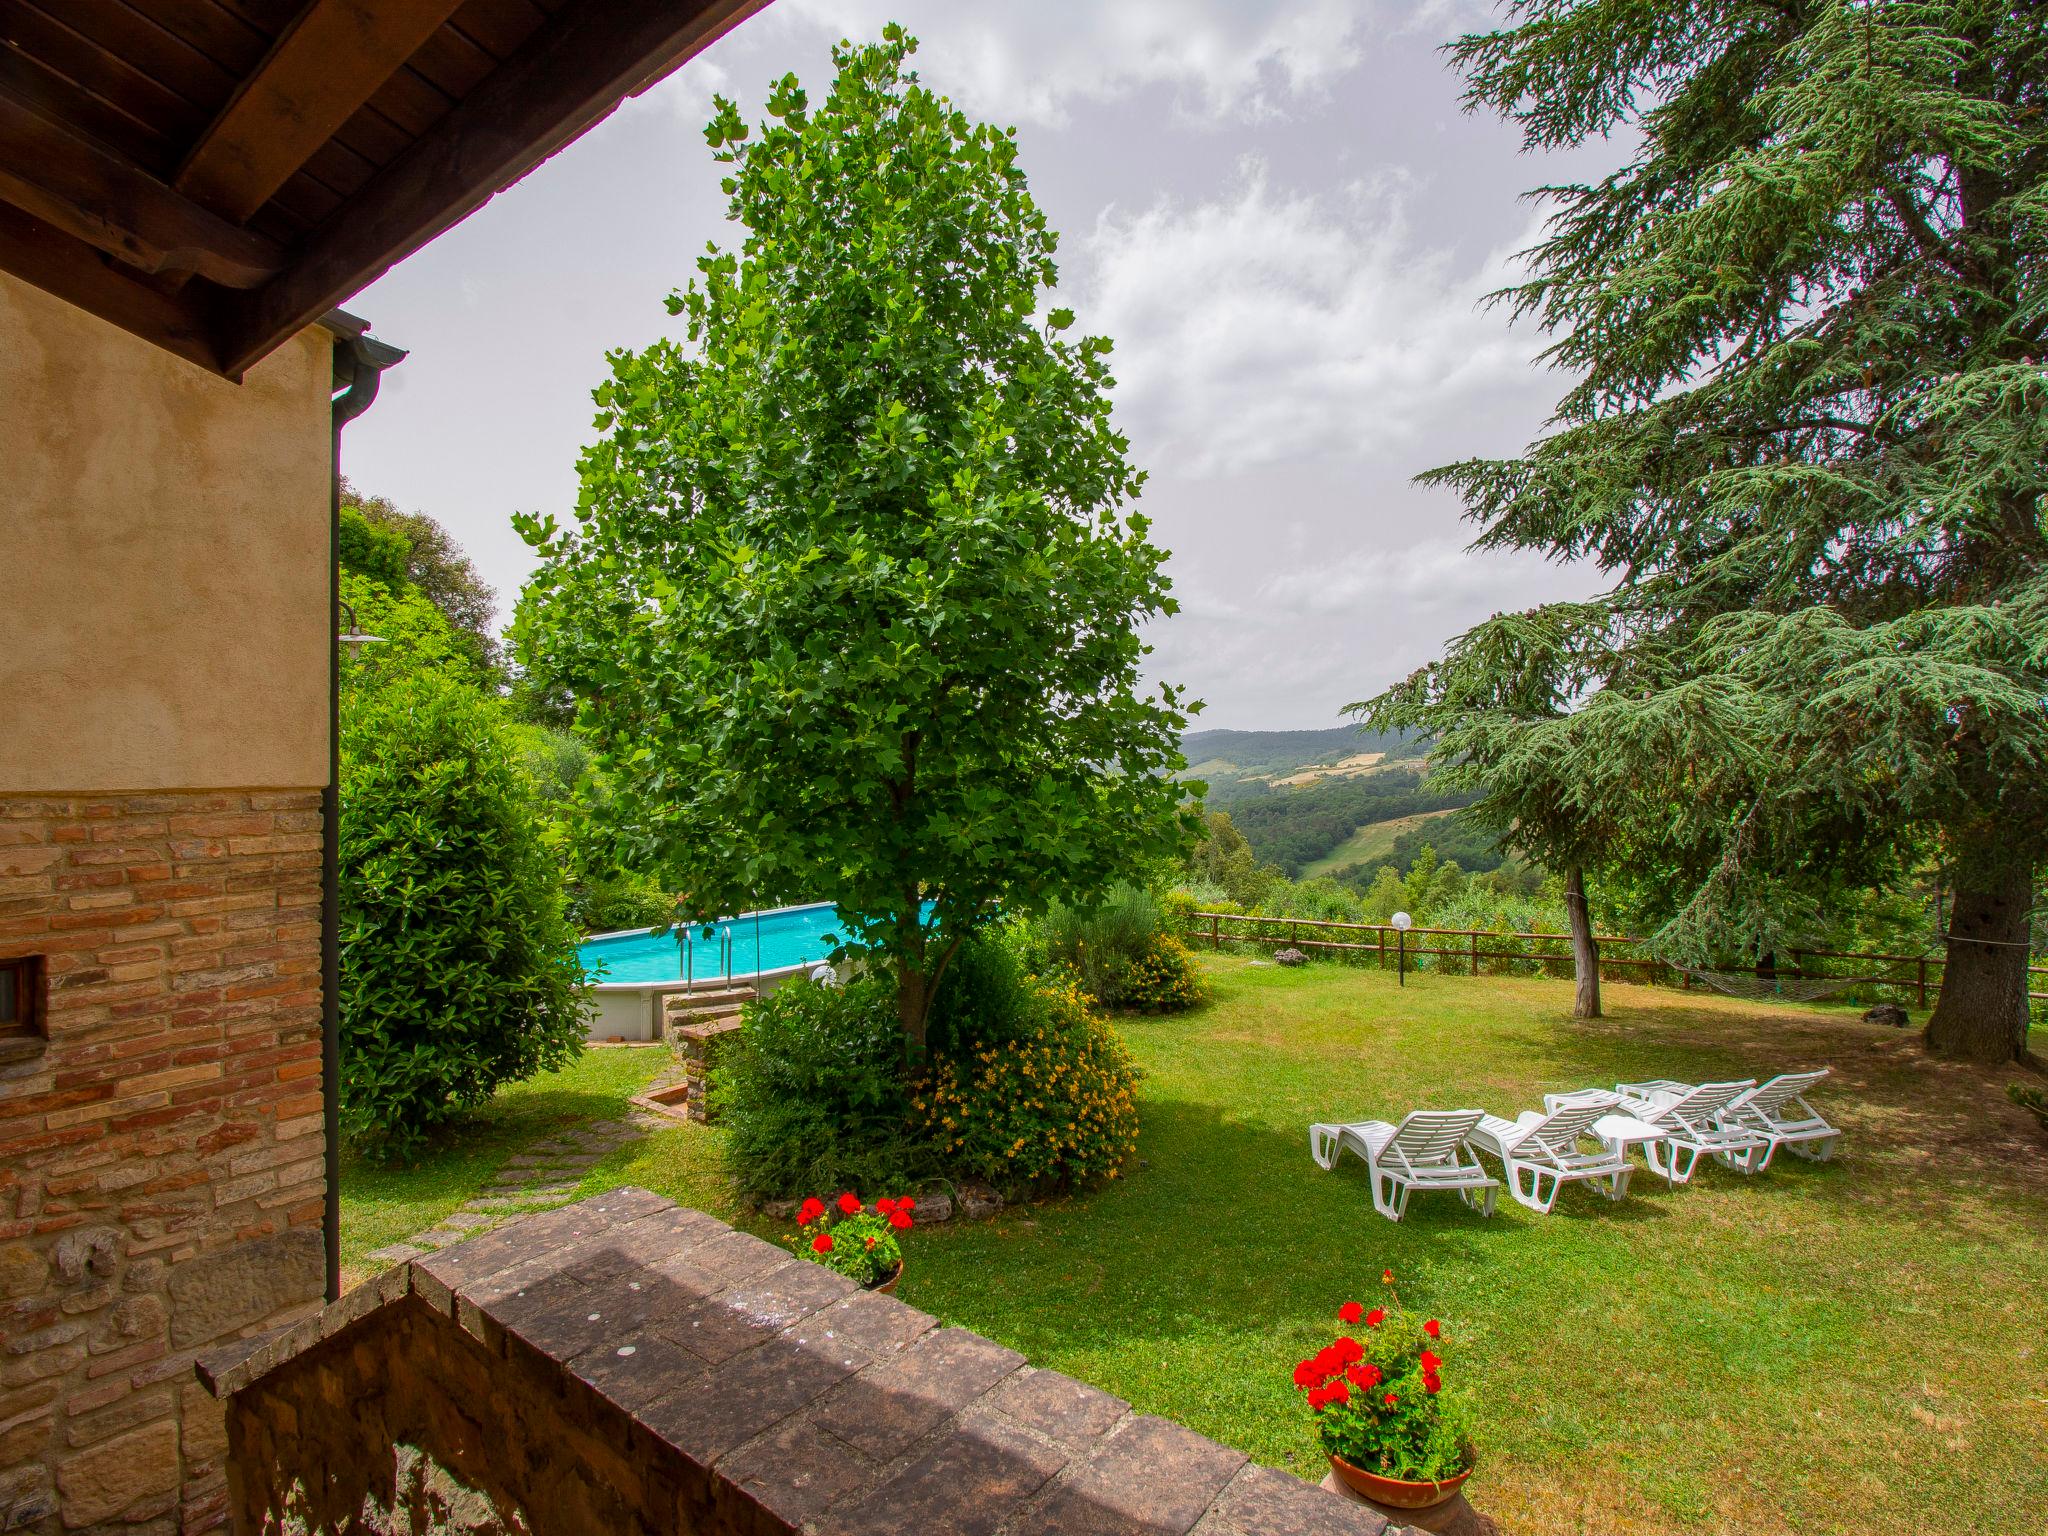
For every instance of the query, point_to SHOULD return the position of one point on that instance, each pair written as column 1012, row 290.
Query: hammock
column 1792, row 989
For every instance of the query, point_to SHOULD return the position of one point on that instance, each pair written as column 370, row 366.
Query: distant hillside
column 1222, row 757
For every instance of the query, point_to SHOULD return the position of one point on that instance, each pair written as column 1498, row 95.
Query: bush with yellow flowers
column 1051, row 1108
column 1163, row 979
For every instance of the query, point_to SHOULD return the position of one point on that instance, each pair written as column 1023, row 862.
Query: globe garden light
column 1402, row 923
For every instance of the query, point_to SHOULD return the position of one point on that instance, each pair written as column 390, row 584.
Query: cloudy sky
column 1277, row 210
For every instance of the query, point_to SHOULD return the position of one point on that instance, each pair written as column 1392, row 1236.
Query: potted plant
column 1390, row 1429
column 858, row 1242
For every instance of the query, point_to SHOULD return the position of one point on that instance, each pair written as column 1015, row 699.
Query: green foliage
column 811, row 1092
column 370, row 550
column 1120, row 950
column 603, row 894
column 431, row 564
column 1456, row 839
column 1223, row 858
column 459, row 971
column 1807, row 446
column 1055, row 1108
column 2031, row 1099
column 981, row 998
column 850, row 607
column 1226, row 756
column 415, row 638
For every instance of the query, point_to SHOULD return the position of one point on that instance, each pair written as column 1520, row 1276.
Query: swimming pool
column 749, row 945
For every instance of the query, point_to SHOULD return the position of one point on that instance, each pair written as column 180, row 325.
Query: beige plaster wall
column 163, row 560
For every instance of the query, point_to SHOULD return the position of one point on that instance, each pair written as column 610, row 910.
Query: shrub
column 851, row 1239
column 458, row 968
column 1162, row 980
column 982, row 997
column 1378, row 1397
column 1054, row 1108
column 812, row 1092
column 1122, row 952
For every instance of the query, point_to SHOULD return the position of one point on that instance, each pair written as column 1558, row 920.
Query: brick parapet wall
column 161, row 1150
column 628, row 1367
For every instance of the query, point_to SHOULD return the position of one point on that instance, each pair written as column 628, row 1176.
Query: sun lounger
column 1540, row 1153
column 1425, row 1151
column 1690, row 1114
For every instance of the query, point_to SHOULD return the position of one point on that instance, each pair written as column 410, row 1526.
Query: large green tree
column 1807, row 446
column 850, row 605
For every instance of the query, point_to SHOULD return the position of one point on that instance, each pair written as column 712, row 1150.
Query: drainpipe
column 359, row 364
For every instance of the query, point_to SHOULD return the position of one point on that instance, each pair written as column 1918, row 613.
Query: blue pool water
column 739, row 947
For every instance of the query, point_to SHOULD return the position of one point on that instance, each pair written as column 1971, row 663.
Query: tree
column 1806, row 446
column 459, row 971
column 432, row 562
column 850, row 607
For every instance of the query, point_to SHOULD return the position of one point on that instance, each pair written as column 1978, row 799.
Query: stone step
column 708, row 1000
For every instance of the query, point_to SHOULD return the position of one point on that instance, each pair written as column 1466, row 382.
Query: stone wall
column 627, row 1367
column 161, row 1148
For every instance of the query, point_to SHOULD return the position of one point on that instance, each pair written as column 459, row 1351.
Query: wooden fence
column 1385, row 944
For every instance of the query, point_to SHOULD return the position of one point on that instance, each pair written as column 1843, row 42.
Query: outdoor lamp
column 354, row 636
column 1402, row 923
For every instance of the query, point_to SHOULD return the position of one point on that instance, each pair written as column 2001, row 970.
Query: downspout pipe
column 359, row 364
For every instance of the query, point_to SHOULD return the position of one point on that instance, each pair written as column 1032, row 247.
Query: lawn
column 381, row 1205
column 1372, row 843
column 1849, row 1347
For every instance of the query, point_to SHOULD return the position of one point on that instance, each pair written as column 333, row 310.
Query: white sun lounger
column 1425, row 1151
column 1689, row 1113
column 1540, row 1153
column 1769, row 1112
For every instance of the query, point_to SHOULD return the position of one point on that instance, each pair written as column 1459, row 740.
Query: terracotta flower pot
column 887, row 1287
column 1395, row 1492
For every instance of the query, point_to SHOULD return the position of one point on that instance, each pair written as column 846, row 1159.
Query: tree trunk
column 1981, row 1014
column 913, row 1002
column 1585, row 953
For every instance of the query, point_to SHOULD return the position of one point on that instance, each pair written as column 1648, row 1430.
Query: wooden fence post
column 1215, row 937
column 1475, row 951
column 1923, row 981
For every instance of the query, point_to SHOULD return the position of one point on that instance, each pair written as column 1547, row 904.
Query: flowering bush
column 1053, row 1107
column 1378, row 1396
column 858, row 1242
column 1161, row 980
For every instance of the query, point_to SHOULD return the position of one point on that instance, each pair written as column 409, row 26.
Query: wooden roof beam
column 59, row 263
column 70, row 182
column 318, row 74
column 568, row 76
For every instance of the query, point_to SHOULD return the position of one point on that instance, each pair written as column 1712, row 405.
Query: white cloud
column 1031, row 61
column 1268, row 324
column 1436, row 576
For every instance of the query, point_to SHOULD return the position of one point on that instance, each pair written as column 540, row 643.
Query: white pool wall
column 631, row 1010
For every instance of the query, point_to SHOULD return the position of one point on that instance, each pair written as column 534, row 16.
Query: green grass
column 1849, row 1347
column 1371, row 844
column 382, row 1205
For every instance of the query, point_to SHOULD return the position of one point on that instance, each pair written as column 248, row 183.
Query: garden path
column 547, row 1173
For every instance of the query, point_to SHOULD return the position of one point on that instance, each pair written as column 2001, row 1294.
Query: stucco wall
column 164, row 619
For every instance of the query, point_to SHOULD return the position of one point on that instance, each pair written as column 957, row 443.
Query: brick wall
column 161, row 1150
column 627, row 1367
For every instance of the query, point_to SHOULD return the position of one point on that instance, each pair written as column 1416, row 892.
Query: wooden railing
column 1387, row 945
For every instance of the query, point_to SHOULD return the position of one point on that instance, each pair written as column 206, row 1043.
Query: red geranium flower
column 1391, row 1399
column 1328, row 1361
column 1350, row 1312
column 871, row 1242
column 822, row 1243
column 1433, row 1328
column 1429, row 1361
column 1375, row 1317
column 900, row 1219
column 884, row 1206
column 1363, row 1375
column 1305, row 1374
column 1316, row 1398
column 1337, row 1392
column 1430, row 1383
column 812, row 1209
column 1349, row 1349
column 1386, row 1277
column 849, row 1203
column 905, row 1203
